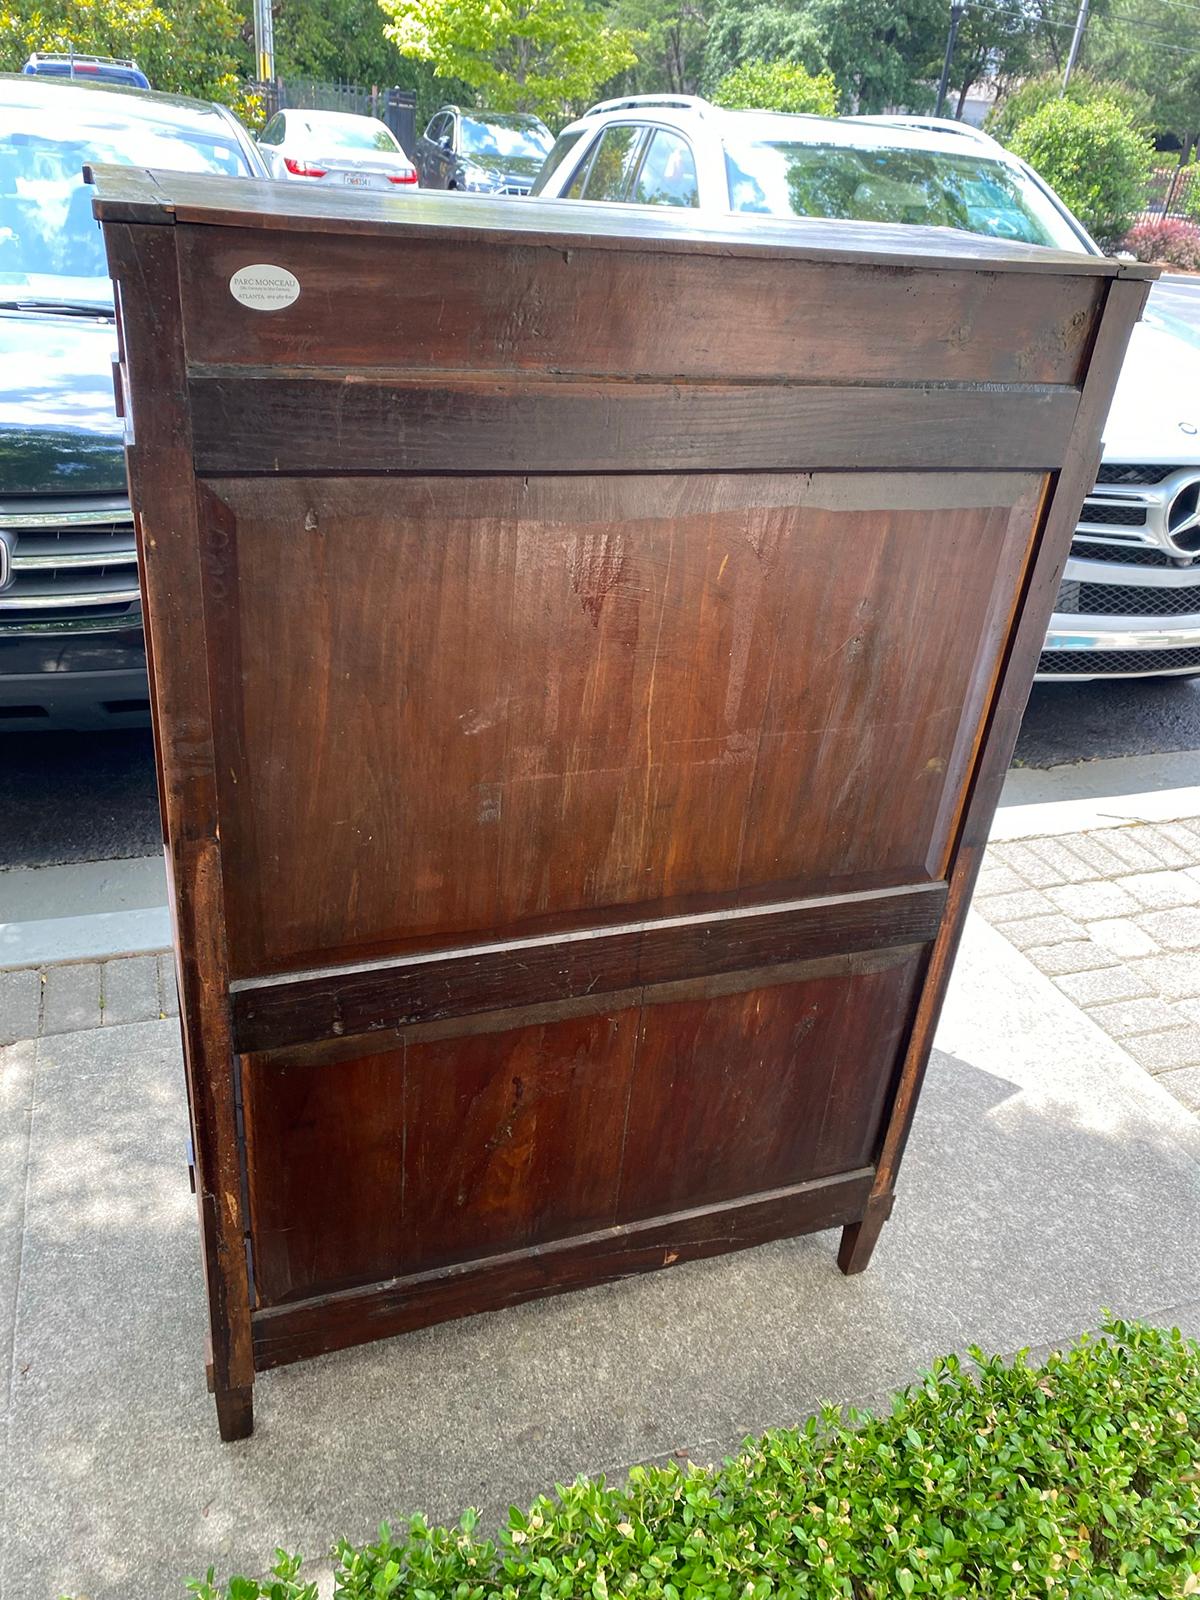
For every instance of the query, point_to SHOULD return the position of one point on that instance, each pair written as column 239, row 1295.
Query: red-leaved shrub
column 1167, row 239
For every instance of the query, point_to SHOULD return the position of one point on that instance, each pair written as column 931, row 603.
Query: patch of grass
column 1079, row 1478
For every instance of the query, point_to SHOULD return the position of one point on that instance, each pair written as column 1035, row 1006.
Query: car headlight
column 479, row 178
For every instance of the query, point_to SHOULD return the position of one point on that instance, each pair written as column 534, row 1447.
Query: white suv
column 1129, row 605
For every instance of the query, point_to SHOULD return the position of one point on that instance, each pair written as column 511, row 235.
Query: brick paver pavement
column 1112, row 916
column 89, row 994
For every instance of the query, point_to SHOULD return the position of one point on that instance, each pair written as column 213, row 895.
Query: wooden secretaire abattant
column 586, row 646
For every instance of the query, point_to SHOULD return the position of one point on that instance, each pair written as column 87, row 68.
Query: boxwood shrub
column 1079, row 1477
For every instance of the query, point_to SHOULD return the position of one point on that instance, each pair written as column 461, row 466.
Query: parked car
column 336, row 148
column 103, row 69
column 71, row 647
column 490, row 152
column 1129, row 605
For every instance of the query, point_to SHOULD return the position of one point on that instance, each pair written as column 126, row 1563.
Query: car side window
column 273, row 132
column 667, row 175
column 613, row 164
column 563, row 146
column 436, row 128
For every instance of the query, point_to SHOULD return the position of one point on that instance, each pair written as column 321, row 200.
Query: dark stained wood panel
column 588, row 675
column 561, row 1128
column 521, row 307
column 785, row 1083
column 586, row 646
column 393, row 994
column 293, row 1332
column 339, row 421
column 539, row 1122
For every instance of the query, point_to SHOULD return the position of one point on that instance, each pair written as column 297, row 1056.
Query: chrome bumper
column 1101, row 637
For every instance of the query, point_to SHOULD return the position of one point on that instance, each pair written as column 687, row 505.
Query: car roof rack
column 637, row 102
column 78, row 55
column 950, row 125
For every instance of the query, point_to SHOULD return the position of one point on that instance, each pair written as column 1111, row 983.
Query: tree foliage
column 1094, row 157
column 670, row 40
column 777, row 86
column 518, row 55
column 1154, row 48
column 192, row 47
column 741, row 31
column 1047, row 89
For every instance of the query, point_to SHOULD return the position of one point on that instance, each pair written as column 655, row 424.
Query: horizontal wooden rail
column 305, row 1328
column 304, row 1007
column 335, row 420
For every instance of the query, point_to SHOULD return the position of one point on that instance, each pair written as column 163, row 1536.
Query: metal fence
column 1172, row 192
column 396, row 107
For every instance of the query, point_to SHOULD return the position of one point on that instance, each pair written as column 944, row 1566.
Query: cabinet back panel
column 471, row 708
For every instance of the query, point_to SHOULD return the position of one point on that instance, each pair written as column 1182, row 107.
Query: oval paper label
column 264, row 288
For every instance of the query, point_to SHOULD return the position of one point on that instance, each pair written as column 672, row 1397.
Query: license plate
column 355, row 180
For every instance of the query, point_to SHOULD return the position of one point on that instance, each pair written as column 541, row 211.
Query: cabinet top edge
column 142, row 195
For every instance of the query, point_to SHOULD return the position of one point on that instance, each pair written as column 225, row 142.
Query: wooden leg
column 235, row 1412
column 859, row 1238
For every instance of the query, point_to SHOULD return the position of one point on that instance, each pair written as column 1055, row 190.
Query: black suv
column 490, row 152
column 71, row 648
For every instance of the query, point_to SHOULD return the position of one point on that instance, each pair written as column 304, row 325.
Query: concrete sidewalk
column 1049, row 1176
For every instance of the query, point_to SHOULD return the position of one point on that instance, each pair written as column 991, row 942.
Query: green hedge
column 1078, row 1478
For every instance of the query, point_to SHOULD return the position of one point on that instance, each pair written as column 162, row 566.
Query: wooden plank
column 582, row 699
column 559, row 224
column 521, row 307
column 169, row 563
column 324, row 1052
column 1060, row 513
column 334, row 1322
column 298, row 1008
column 362, row 421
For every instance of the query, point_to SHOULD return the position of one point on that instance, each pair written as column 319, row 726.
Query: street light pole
column 956, row 16
column 264, row 41
column 1076, row 41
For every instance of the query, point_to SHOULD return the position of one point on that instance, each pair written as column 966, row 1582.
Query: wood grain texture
column 333, row 1322
column 169, row 565
column 523, row 307
column 598, row 687
column 271, row 1013
column 574, row 693
column 340, row 421
column 1056, row 524
column 447, row 1150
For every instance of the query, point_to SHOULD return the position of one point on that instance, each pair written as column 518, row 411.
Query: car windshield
column 50, row 244
column 930, row 188
column 504, row 139
column 355, row 133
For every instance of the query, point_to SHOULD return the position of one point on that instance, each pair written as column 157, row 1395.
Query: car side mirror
column 447, row 141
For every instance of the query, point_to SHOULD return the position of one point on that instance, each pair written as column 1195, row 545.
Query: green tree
column 192, row 47
column 1000, row 43
column 344, row 40
column 742, row 31
column 878, row 51
column 1084, row 88
column 1095, row 158
column 1153, row 47
column 670, row 50
column 777, row 86
column 518, row 55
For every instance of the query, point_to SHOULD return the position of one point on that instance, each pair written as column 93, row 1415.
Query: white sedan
column 336, row 149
